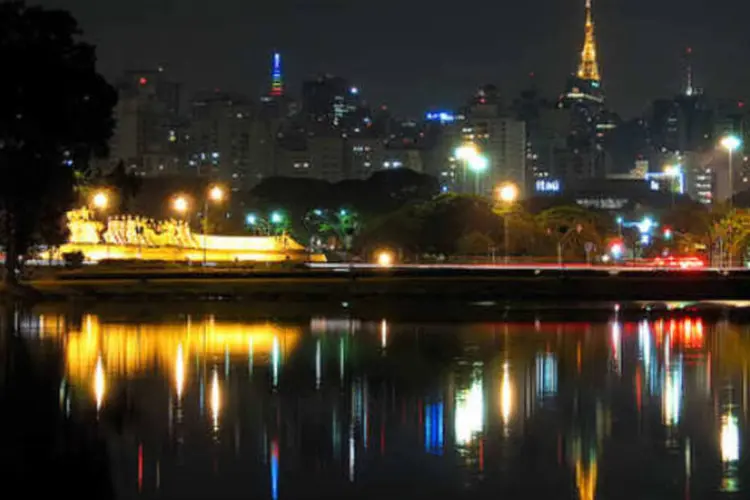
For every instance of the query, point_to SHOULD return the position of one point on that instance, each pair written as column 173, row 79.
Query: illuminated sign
column 442, row 117
column 603, row 203
column 547, row 186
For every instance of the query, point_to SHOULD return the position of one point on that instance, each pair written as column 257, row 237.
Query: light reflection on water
column 336, row 407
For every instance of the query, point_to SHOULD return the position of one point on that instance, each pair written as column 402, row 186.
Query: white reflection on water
column 672, row 390
column 99, row 383
column 215, row 400
column 180, row 372
column 730, row 438
column 469, row 413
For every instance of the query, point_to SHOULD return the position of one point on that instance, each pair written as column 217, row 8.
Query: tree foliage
column 55, row 112
column 381, row 193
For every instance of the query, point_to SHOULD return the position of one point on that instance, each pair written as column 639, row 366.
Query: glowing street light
column 466, row 152
column 216, row 193
column 478, row 163
column 181, row 204
column 277, row 217
column 100, row 200
column 251, row 219
column 475, row 161
column 731, row 143
column 508, row 193
column 385, row 259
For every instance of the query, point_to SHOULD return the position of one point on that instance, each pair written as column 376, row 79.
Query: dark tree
column 127, row 185
column 55, row 112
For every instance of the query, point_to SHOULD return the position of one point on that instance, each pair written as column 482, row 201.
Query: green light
column 277, row 218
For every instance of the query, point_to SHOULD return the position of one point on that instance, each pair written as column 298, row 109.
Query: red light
column 143, row 80
column 740, row 104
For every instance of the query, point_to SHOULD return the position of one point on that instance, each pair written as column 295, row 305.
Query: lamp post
column 730, row 143
column 474, row 161
column 465, row 153
column 508, row 194
column 478, row 164
column 215, row 194
column 100, row 202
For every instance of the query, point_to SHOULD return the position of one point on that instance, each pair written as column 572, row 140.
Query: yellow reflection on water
column 127, row 349
column 586, row 476
column 506, row 395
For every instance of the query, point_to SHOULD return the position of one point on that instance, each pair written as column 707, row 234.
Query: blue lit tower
column 277, row 79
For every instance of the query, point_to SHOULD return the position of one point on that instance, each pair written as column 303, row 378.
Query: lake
column 217, row 406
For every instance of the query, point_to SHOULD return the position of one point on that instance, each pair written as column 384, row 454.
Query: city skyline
column 640, row 47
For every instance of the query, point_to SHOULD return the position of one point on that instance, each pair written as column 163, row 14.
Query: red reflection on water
column 140, row 467
column 638, row 395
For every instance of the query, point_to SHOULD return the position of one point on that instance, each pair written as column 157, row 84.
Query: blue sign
column 547, row 186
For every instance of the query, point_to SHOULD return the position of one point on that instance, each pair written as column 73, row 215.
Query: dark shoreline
column 398, row 311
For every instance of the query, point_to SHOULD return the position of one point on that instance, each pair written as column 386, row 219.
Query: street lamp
column 181, row 204
column 215, row 194
column 508, row 194
column 731, row 143
column 277, row 217
column 100, row 200
column 475, row 161
column 478, row 164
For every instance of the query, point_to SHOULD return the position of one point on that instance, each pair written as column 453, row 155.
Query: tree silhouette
column 55, row 112
column 126, row 184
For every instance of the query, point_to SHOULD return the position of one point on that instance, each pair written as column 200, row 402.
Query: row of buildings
column 330, row 132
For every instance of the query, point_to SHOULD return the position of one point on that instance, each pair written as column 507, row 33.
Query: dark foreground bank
column 401, row 284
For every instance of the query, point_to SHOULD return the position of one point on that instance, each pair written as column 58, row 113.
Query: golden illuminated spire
column 588, row 68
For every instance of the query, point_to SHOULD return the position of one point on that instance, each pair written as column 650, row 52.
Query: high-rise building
column 221, row 137
column 497, row 135
column 149, row 133
column 331, row 102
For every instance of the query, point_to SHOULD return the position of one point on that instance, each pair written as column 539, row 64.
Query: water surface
column 224, row 407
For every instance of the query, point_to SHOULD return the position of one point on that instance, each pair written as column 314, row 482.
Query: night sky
column 415, row 54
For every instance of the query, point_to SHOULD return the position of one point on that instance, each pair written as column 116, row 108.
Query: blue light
column 274, row 470
column 645, row 239
column 547, row 186
column 441, row 116
column 354, row 91
column 251, row 219
column 646, row 225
